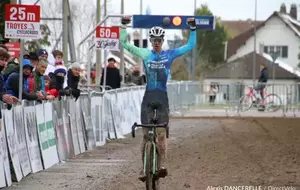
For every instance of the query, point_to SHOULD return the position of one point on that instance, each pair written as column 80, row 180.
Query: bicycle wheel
column 272, row 102
column 246, row 102
column 155, row 180
column 148, row 166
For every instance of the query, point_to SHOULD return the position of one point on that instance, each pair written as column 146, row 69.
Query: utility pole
column 98, row 52
column 65, row 31
column 105, row 23
column 141, row 39
column 194, row 52
column 254, row 48
column 21, row 68
column 122, row 60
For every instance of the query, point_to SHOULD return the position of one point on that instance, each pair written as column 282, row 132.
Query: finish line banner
column 172, row 22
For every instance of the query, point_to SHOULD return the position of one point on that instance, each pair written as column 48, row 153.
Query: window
column 283, row 50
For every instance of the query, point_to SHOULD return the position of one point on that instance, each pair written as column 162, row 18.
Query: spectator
column 13, row 66
column 56, row 87
column 58, row 56
column 36, row 81
column 73, row 79
column 212, row 94
column 34, row 59
column 12, row 83
column 113, row 78
column 3, row 47
column 7, row 98
column 136, row 77
column 42, row 54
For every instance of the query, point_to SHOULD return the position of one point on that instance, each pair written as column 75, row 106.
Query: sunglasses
column 156, row 40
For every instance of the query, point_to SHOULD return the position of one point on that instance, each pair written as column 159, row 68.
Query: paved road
column 202, row 153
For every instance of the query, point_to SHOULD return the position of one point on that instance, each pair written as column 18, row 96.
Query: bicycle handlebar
column 150, row 126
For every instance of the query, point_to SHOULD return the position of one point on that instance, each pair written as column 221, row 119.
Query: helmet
column 157, row 31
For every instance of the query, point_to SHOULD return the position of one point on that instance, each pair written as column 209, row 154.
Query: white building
column 280, row 32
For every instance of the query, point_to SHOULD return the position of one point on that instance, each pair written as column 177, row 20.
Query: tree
column 283, row 8
column 210, row 44
column 34, row 45
column 2, row 22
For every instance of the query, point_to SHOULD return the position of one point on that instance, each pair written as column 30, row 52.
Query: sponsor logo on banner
column 107, row 38
column 22, row 21
column 108, row 44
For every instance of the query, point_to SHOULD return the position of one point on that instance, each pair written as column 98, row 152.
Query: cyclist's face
column 157, row 43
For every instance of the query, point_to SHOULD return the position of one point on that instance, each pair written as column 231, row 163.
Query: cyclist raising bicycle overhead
column 157, row 64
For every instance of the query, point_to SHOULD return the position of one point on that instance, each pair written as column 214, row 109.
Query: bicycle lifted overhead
column 151, row 162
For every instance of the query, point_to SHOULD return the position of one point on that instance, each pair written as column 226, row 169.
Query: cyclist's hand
column 192, row 23
column 125, row 20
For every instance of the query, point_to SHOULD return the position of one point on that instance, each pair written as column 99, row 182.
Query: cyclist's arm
column 185, row 48
column 139, row 52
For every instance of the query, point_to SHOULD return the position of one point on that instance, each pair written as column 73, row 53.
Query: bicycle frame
column 252, row 94
column 151, row 138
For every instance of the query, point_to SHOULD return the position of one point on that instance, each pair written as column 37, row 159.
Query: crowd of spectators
column 41, row 80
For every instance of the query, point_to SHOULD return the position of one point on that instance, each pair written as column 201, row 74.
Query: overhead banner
column 21, row 140
column 32, row 139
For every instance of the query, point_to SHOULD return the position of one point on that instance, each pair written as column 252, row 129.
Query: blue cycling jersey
column 157, row 65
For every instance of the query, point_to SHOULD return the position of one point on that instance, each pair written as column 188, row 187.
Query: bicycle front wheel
column 148, row 166
column 272, row 102
column 246, row 102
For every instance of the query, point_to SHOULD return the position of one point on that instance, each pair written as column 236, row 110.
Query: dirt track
column 202, row 153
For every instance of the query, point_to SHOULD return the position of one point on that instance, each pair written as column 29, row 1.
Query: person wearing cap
column 4, row 97
column 12, row 83
column 113, row 77
column 56, row 86
column 42, row 54
column 34, row 59
column 73, row 78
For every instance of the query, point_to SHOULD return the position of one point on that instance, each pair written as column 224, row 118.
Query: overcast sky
column 226, row 9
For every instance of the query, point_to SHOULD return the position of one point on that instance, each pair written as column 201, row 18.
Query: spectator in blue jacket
column 12, row 83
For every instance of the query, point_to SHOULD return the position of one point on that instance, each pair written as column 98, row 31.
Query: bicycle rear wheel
column 272, row 102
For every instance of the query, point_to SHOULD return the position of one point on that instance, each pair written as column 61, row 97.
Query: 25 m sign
column 22, row 21
column 107, row 38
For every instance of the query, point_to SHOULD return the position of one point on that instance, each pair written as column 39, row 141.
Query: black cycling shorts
column 163, row 111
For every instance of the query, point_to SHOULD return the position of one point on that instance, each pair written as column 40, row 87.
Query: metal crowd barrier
column 35, row 136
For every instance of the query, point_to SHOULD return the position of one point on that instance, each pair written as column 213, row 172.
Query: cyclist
column 157, row 64
column 262, row 80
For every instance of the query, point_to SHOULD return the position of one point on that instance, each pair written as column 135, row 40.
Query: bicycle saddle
column 154, row 105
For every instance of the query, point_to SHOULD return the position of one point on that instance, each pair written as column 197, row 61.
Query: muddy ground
column 202, row 153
